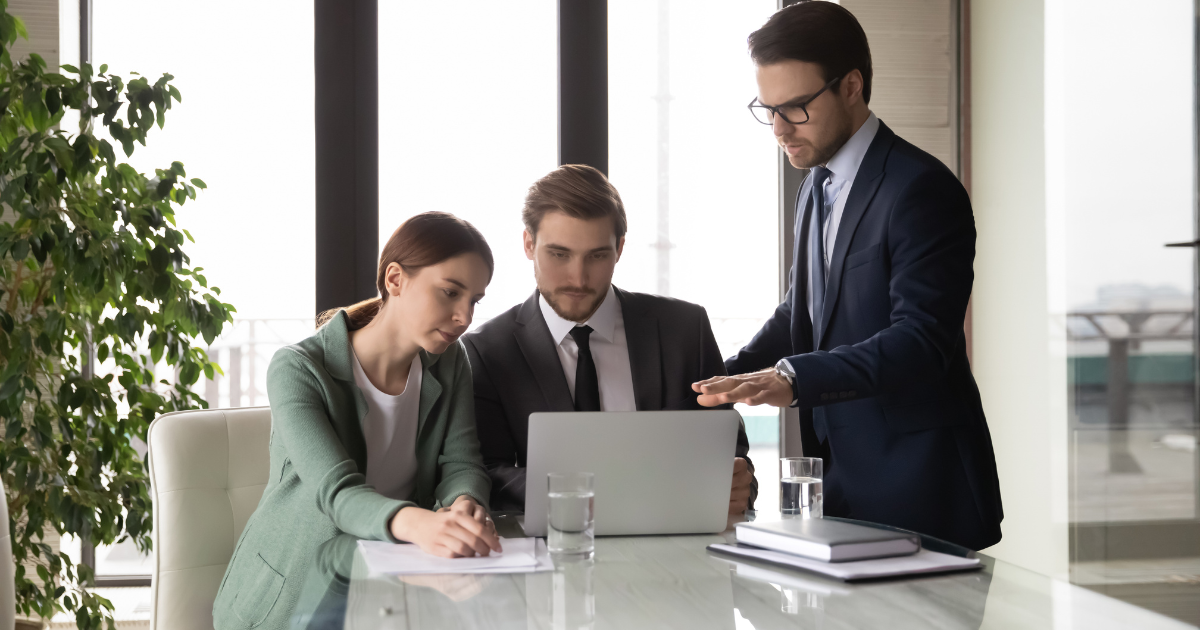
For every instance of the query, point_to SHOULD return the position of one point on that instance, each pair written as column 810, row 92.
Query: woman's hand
column 462, row 530
column 464, row 504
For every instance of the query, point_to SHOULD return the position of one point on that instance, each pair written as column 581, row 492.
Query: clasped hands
column 460, row 530
column 764, row 387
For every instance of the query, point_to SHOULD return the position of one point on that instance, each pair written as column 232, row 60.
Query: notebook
column 827, row 540
column 922, row 563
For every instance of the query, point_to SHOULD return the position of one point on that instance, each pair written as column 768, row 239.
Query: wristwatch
column 784, row 369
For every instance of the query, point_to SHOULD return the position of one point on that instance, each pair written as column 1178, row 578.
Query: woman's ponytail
column 360, row 314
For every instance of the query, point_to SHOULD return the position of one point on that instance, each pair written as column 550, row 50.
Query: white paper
column 541, row 553
column 520, row 555
column 924, row 561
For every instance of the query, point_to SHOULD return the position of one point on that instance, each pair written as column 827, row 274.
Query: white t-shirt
column 390, row 431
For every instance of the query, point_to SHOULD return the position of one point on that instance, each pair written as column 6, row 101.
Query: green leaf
column 11, row 386
column 162, row 285
column 160, row 258
column 189, row 374
column 53, row 100
column 164, row 187
column 106, row 152
column 199, row 183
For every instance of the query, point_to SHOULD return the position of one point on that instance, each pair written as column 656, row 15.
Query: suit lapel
column 339, row 363
column 866, row 182
column 645, row 353
column 533, row 337
column 431, row 389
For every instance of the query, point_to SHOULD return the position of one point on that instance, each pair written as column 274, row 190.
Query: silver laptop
column 657, row 472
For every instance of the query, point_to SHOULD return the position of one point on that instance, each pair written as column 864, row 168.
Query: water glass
column 800, row 489
column 572, row 525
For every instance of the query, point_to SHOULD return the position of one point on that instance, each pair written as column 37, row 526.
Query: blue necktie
column 816, row 248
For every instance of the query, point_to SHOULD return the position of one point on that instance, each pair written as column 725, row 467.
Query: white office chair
column 8, row 594
column 208, row 469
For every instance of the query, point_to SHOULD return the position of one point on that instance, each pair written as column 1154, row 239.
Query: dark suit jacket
column 887, row 397
column 517, row 372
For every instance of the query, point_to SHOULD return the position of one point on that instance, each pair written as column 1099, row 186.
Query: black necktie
column 816, row 249
column 587, row 385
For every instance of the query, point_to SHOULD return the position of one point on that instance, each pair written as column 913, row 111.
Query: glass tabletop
column 673, row 581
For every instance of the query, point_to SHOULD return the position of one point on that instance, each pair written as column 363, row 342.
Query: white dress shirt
column 610, row 351
column 390, row 431
column 843, row 168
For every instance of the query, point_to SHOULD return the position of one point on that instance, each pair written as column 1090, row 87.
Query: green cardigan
column 317, row 487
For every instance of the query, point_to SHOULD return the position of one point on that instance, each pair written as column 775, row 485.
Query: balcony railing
column 1124, row 332
column 244, row 351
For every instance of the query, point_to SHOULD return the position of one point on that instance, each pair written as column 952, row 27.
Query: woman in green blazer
column 388, row 378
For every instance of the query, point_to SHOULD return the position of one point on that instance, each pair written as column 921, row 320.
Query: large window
column 1120, row 187
column 467, row 121
column 698, row 175
column 245, row 127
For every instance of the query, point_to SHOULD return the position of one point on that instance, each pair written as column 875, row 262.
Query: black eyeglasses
column 792, row 113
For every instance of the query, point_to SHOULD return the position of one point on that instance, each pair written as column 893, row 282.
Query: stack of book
column 839, row 549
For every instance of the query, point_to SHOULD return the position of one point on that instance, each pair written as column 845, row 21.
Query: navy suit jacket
column 887, row 397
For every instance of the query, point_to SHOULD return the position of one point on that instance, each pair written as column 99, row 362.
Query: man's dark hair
column 817, row 32
column 576, row 190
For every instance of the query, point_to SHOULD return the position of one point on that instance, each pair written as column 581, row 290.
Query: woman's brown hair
column 423, row 240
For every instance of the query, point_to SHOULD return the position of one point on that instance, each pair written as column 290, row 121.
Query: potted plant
column 92, row 271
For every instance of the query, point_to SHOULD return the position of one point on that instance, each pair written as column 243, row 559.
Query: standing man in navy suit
column 869, row 340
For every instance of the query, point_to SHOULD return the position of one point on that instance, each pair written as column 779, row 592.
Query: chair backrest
column 8, row 594
column 208, row 469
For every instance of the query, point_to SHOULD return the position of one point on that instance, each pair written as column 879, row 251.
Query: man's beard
column 825, row 152
column 582, row 314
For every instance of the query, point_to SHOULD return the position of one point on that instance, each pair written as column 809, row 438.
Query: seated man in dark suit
column 579, row 343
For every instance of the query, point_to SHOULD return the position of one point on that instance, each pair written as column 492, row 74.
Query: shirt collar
column 844, row 164
column 603, row 321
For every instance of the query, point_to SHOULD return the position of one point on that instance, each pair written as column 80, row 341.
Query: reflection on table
column 673, row 582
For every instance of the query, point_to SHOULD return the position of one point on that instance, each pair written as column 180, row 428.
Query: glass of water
column 572, row 525
column 800, row 491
